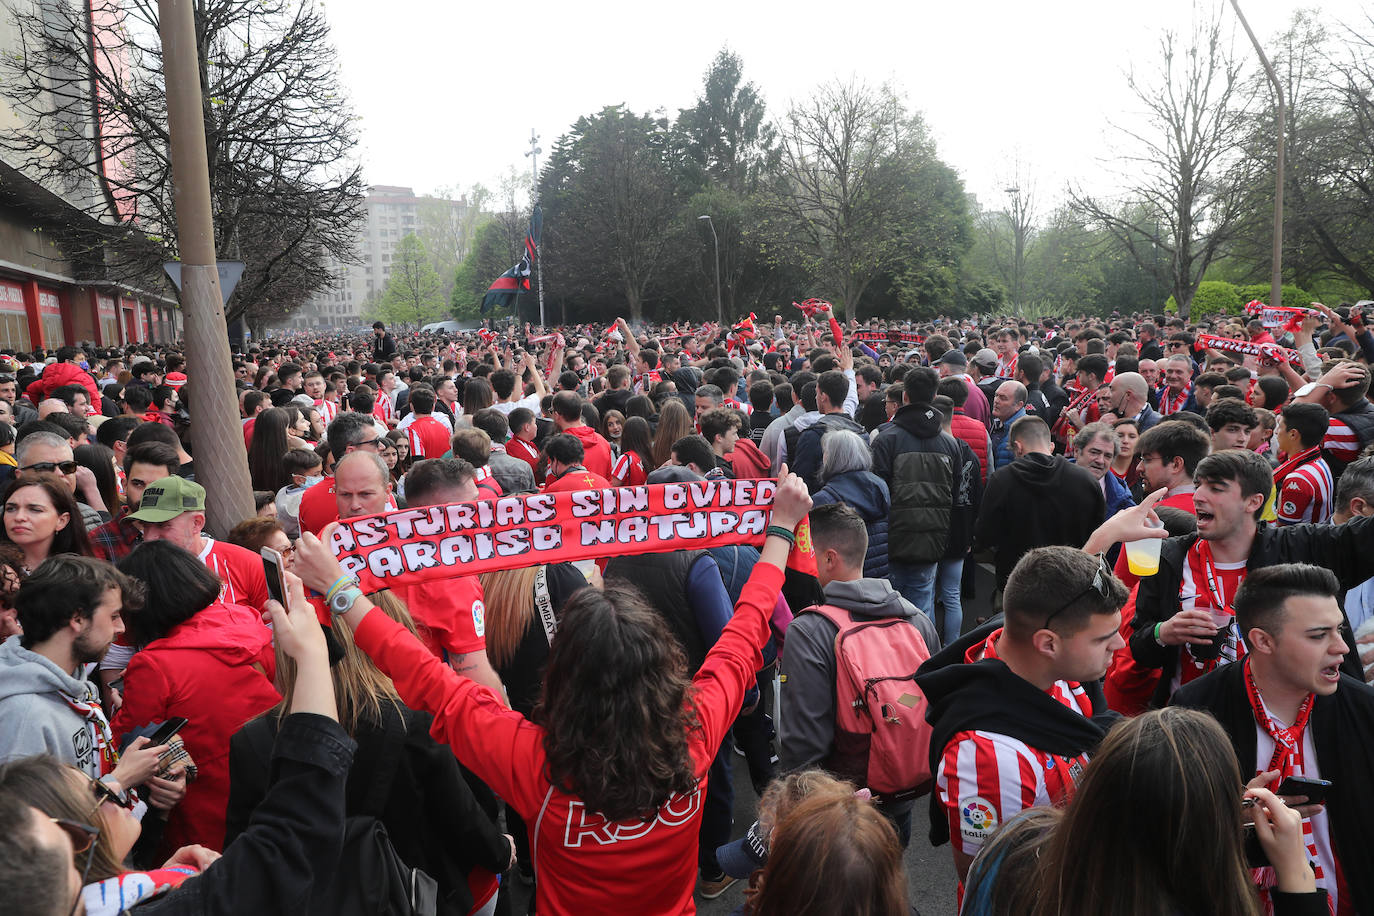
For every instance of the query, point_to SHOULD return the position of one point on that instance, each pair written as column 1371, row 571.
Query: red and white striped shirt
column 1341, row 443
column 1195, row 592
column 1305, row 489
column 328, row 410
column 382, row 408
column 984, row 777
column 1006, row 365
column 1316, row 830
column 628, row 470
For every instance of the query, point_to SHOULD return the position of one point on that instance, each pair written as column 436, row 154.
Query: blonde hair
column 509, row 598
column 359, row 686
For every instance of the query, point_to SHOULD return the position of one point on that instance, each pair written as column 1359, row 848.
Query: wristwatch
column 344, row 599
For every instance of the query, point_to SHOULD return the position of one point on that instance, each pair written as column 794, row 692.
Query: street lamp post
column 1276, row 277
column 715, row 242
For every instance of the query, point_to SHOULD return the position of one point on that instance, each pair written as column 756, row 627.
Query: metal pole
column 715, row 243
column 222, row 460
column 1276, row 277
column 538, row 259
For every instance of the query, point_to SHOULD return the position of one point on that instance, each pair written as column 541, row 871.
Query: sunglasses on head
column 1098, row 584
column 47, row 467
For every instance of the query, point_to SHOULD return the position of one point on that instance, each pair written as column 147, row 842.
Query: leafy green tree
column 414, row 293
column 725, row 137
column 611, row 208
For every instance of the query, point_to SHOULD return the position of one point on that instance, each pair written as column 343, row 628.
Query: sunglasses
column 46, row 467
column 1098, row 584
column 103, row 793
column 369, row 443
column 82, row 836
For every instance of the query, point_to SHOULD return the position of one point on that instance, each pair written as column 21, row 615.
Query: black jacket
column 805, row 462
column 935, row 483
column 433, row 820
column 1036, row 501
column 383, row 348
column 1343, row 549
column 293, row 839
column 987, row 696
column 1343, row 734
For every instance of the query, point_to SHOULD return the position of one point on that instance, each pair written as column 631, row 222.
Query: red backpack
column 882, row 739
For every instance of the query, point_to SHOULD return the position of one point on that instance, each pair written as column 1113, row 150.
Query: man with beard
column 70, row 609
column 143, row 464
column 1096, row 447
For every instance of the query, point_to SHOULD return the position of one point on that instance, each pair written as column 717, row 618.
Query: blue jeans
column 915, row 582
column 949, row 586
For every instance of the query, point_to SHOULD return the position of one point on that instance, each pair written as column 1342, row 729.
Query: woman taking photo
column 201, row 659
column 1154, row 829
column 42, row 520
column 609, row 771
column 412, row 783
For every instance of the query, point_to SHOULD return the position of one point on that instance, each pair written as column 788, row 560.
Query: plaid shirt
column 115, row 539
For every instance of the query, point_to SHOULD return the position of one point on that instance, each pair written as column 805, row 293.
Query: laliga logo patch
column 1290, row 508
column 979, row 818
column 479, row 618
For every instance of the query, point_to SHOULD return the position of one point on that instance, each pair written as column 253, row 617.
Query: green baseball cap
column 165, row 499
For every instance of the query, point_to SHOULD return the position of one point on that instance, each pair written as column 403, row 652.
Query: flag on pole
column 502, row 293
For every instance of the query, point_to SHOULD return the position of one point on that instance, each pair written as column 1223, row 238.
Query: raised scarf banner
column 512, row 532
column 891, row 337
column 1271, row 352
column 1287, row 318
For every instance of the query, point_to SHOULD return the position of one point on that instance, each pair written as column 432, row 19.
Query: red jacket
column 584, row 479
column 59, row 374
column 748, row 462
column 584, row 863
column 975, row 434
column 216, row 670
column 598, row 458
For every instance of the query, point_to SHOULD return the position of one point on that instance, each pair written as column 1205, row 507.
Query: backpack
column 371, row 879
column 882, row 739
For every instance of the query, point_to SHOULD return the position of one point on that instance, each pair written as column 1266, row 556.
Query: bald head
column 361, row 484
column 1129, row 392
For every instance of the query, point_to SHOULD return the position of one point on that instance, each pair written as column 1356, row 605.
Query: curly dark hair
column 616, row 706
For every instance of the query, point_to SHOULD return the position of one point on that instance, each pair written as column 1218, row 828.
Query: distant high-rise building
column 391, row 214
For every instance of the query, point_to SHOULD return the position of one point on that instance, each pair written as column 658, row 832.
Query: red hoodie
column 583, row 863
column 59, row 374
column 598, row 458
column 216, row 670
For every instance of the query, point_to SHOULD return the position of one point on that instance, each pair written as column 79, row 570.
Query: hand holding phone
column 272, row 566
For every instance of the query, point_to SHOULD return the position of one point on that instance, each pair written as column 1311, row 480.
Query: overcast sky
column 448, row 92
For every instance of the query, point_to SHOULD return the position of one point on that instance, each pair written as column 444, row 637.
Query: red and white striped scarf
column 103, row 757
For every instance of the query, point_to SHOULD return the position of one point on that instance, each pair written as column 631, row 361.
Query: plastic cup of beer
column 1142, row 556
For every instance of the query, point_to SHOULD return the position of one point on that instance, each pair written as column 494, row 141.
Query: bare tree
column 1183, row 170
column 1009, row 232
column 285, row 186
column 845, row 184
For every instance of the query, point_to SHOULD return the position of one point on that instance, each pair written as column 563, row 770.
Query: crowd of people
column 1172, row 726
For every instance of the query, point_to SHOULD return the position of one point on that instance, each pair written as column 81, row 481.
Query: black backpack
column 371, row 879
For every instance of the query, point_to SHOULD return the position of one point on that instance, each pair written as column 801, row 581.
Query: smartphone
column 166, row 730
column 1314, row 789
column 272, row 567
